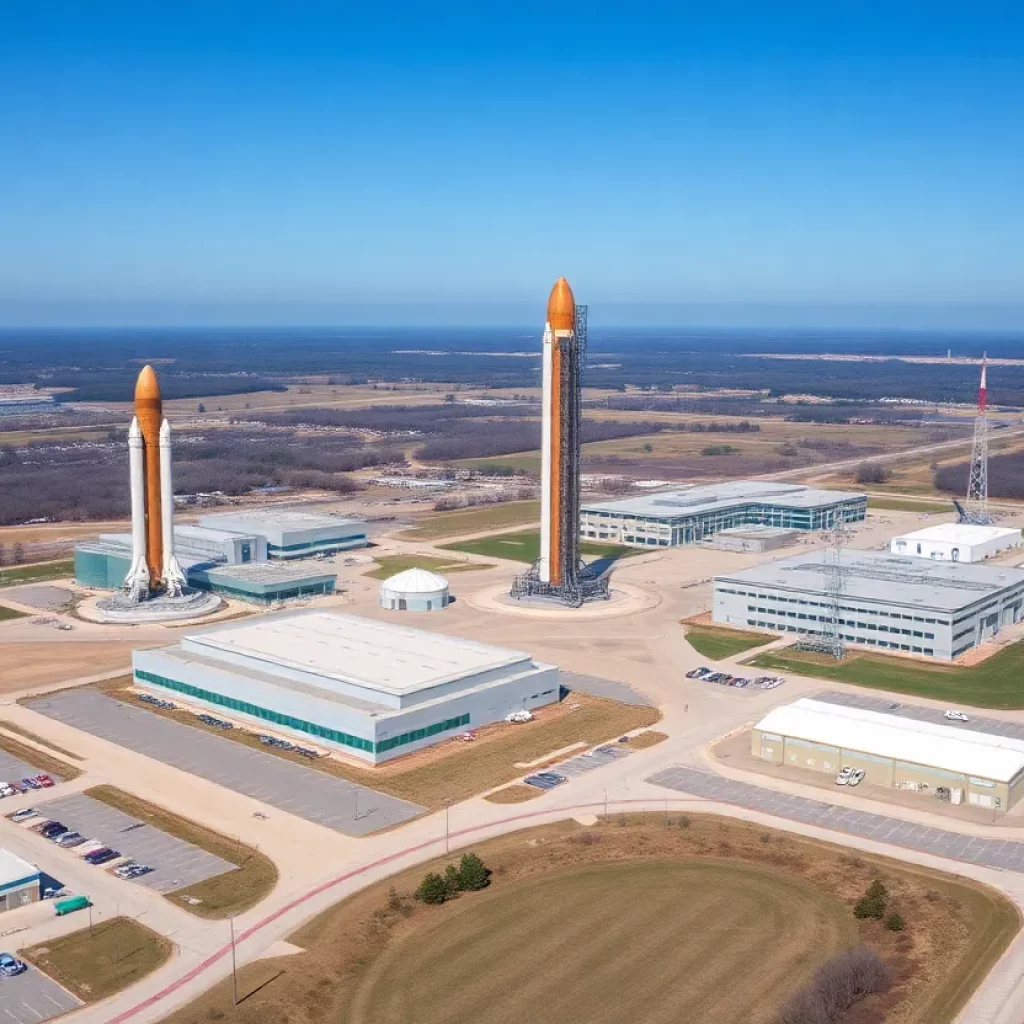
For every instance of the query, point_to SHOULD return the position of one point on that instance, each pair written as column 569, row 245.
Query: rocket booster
column 149, row 413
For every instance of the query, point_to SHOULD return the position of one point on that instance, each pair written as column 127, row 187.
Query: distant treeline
column 1005, row 476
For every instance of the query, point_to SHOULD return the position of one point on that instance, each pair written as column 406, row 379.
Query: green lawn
column 388, row 565
column 473, row 520
column 723, row 643
column 9, row 613
column 16, row 574
column 995, row 683
column 524, row 546
column 898, row 504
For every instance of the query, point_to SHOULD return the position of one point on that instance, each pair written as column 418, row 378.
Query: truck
column 70, row 905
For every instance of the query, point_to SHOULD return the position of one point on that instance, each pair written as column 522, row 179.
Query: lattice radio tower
column 975, row 508
column 828, row 639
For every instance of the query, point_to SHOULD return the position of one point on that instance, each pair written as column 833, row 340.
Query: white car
column 519, row 716
column 855, row 777
column 956, row 716
column 843, row 778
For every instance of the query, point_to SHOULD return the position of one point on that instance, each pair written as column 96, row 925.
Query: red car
column 45, row 781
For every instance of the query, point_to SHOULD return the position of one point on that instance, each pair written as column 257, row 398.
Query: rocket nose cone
column 147, row 386
column 562, row 307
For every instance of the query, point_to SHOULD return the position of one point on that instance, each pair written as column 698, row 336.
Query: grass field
column 454, row 771
column 38, row 758
column 10, row 613
column 524, row 546
column 17, row 574
column 473, row 520
column 898, row 504
column 995, row 683
column 628, row 920
column 35, row 737
column 723, row 643
column 223, row 895
column 517, row 794
column 117, row 954
column 388, row 565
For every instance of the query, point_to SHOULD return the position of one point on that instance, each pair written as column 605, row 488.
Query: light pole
column 234, row 964
column 447, row 804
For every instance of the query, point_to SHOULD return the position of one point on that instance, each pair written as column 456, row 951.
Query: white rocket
column 136, row 583
column 174, row 578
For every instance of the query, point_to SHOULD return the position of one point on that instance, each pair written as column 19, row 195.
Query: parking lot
column 32, row 997
column 997, row 853
column 305, row 792
column 598, row 687
column 920, row 713
column 175, row 863
column 13, row 768
column 582, row 763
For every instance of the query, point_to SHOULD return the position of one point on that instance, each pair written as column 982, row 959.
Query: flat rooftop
column 988, row 755
column 268, row 572
column 277, row 518
column 715, row 497
column 758, row 531
column 885, row 579
column 960, row 533
column 14, row 869
column 363, row 652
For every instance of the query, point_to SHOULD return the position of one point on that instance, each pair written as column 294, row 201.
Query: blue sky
column 764, row 163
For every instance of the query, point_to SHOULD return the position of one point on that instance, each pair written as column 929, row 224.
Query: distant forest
column 102, row 365
column 1005, row 476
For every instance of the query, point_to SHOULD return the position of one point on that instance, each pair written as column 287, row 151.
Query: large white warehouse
column 948, row 761
column 372, row 690
column 956, row 542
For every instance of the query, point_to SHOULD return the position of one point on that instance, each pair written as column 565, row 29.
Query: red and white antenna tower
column 976, row 506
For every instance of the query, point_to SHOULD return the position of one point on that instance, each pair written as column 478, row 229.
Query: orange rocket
column 154, row 569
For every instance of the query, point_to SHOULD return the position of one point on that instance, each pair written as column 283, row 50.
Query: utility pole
column 447, row 804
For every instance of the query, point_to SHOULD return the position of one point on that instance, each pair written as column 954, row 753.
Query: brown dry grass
column 221, row 896
column 27, row 665
column 39, row 759
column 20, row 730
column 517, row 794
column 371, row 949
column 450, row 769
column 443, row 525
column 649, row 738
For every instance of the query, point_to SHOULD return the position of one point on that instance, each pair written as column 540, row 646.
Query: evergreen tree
column 452, row 882
column 473, row 873
column 432, row 889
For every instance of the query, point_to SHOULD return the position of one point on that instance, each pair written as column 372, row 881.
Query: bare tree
column 838, row 985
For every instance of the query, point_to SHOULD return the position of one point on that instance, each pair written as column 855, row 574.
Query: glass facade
column 290, row 722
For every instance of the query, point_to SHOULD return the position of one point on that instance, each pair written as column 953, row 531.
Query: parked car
column 24, row 814
column 11, row 966
column 70, row 839
column 843, row 778
column 519, row 716
column 31, row 783
column 103, row 857
column 855, row 777
column 45, row 781
column 956, row 716
column 51, row 829
column 103, row 850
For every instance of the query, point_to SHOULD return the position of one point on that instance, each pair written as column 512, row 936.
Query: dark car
column 102, row 851
column 53, row 829
column 104, row 856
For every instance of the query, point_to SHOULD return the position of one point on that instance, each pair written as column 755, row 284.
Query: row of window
column 842, row 622
column 299, row 724
column 806, row 602
column 783, row 627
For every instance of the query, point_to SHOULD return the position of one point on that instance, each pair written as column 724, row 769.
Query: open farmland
column 685, row 918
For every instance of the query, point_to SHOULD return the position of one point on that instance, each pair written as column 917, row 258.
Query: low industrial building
column 19, row 882
column 262, row 583
column 962, row 766
column 414, row 590
column 369, row 689
column 670, row 518
column 754, row 538
column 292, row 533
column 914, row 605
column 956, row 542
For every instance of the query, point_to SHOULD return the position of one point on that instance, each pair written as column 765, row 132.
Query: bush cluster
column 471, row 874
column 874, row 902
column 837, row 985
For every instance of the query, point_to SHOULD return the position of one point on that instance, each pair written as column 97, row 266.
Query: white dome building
column 414, row 590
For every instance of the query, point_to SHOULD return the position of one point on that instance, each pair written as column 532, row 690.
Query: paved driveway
column 1007, row 854
column 175, row 863
column 304, row 792
column 33, row 997
column 598, row 687
column 12, row 767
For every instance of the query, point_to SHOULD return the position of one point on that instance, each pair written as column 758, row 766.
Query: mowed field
column 524, row 546
column 697, row 942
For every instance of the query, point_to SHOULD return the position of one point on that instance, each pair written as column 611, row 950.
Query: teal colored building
column 263, row 583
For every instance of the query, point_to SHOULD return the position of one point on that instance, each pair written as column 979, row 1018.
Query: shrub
column 873, row 903
column 473, row 873
column 837, row 985
column 684, row 821
column 432, row 889
column 452, row 885
column 895, row 923
column 872, row 473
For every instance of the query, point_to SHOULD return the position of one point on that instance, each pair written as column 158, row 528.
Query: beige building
column 19, row 881
column 945, row 761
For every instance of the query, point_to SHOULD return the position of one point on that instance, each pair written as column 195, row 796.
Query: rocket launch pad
column 559, row 572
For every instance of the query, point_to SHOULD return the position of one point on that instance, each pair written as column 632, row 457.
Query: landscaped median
column 997, row 682
column 221, row 896
column 97, row 962
column 657, row 918
column 37, row 758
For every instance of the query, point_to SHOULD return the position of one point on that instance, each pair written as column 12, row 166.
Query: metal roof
column 14, row 869
column 269, row 572
column 959, row 533
column 274, row 517
column 718, row 497
column 366, row 652
column 885, row 579
column 415, row 581
column 980, row 754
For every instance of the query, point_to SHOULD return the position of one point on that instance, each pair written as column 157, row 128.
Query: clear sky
column 736, row 163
